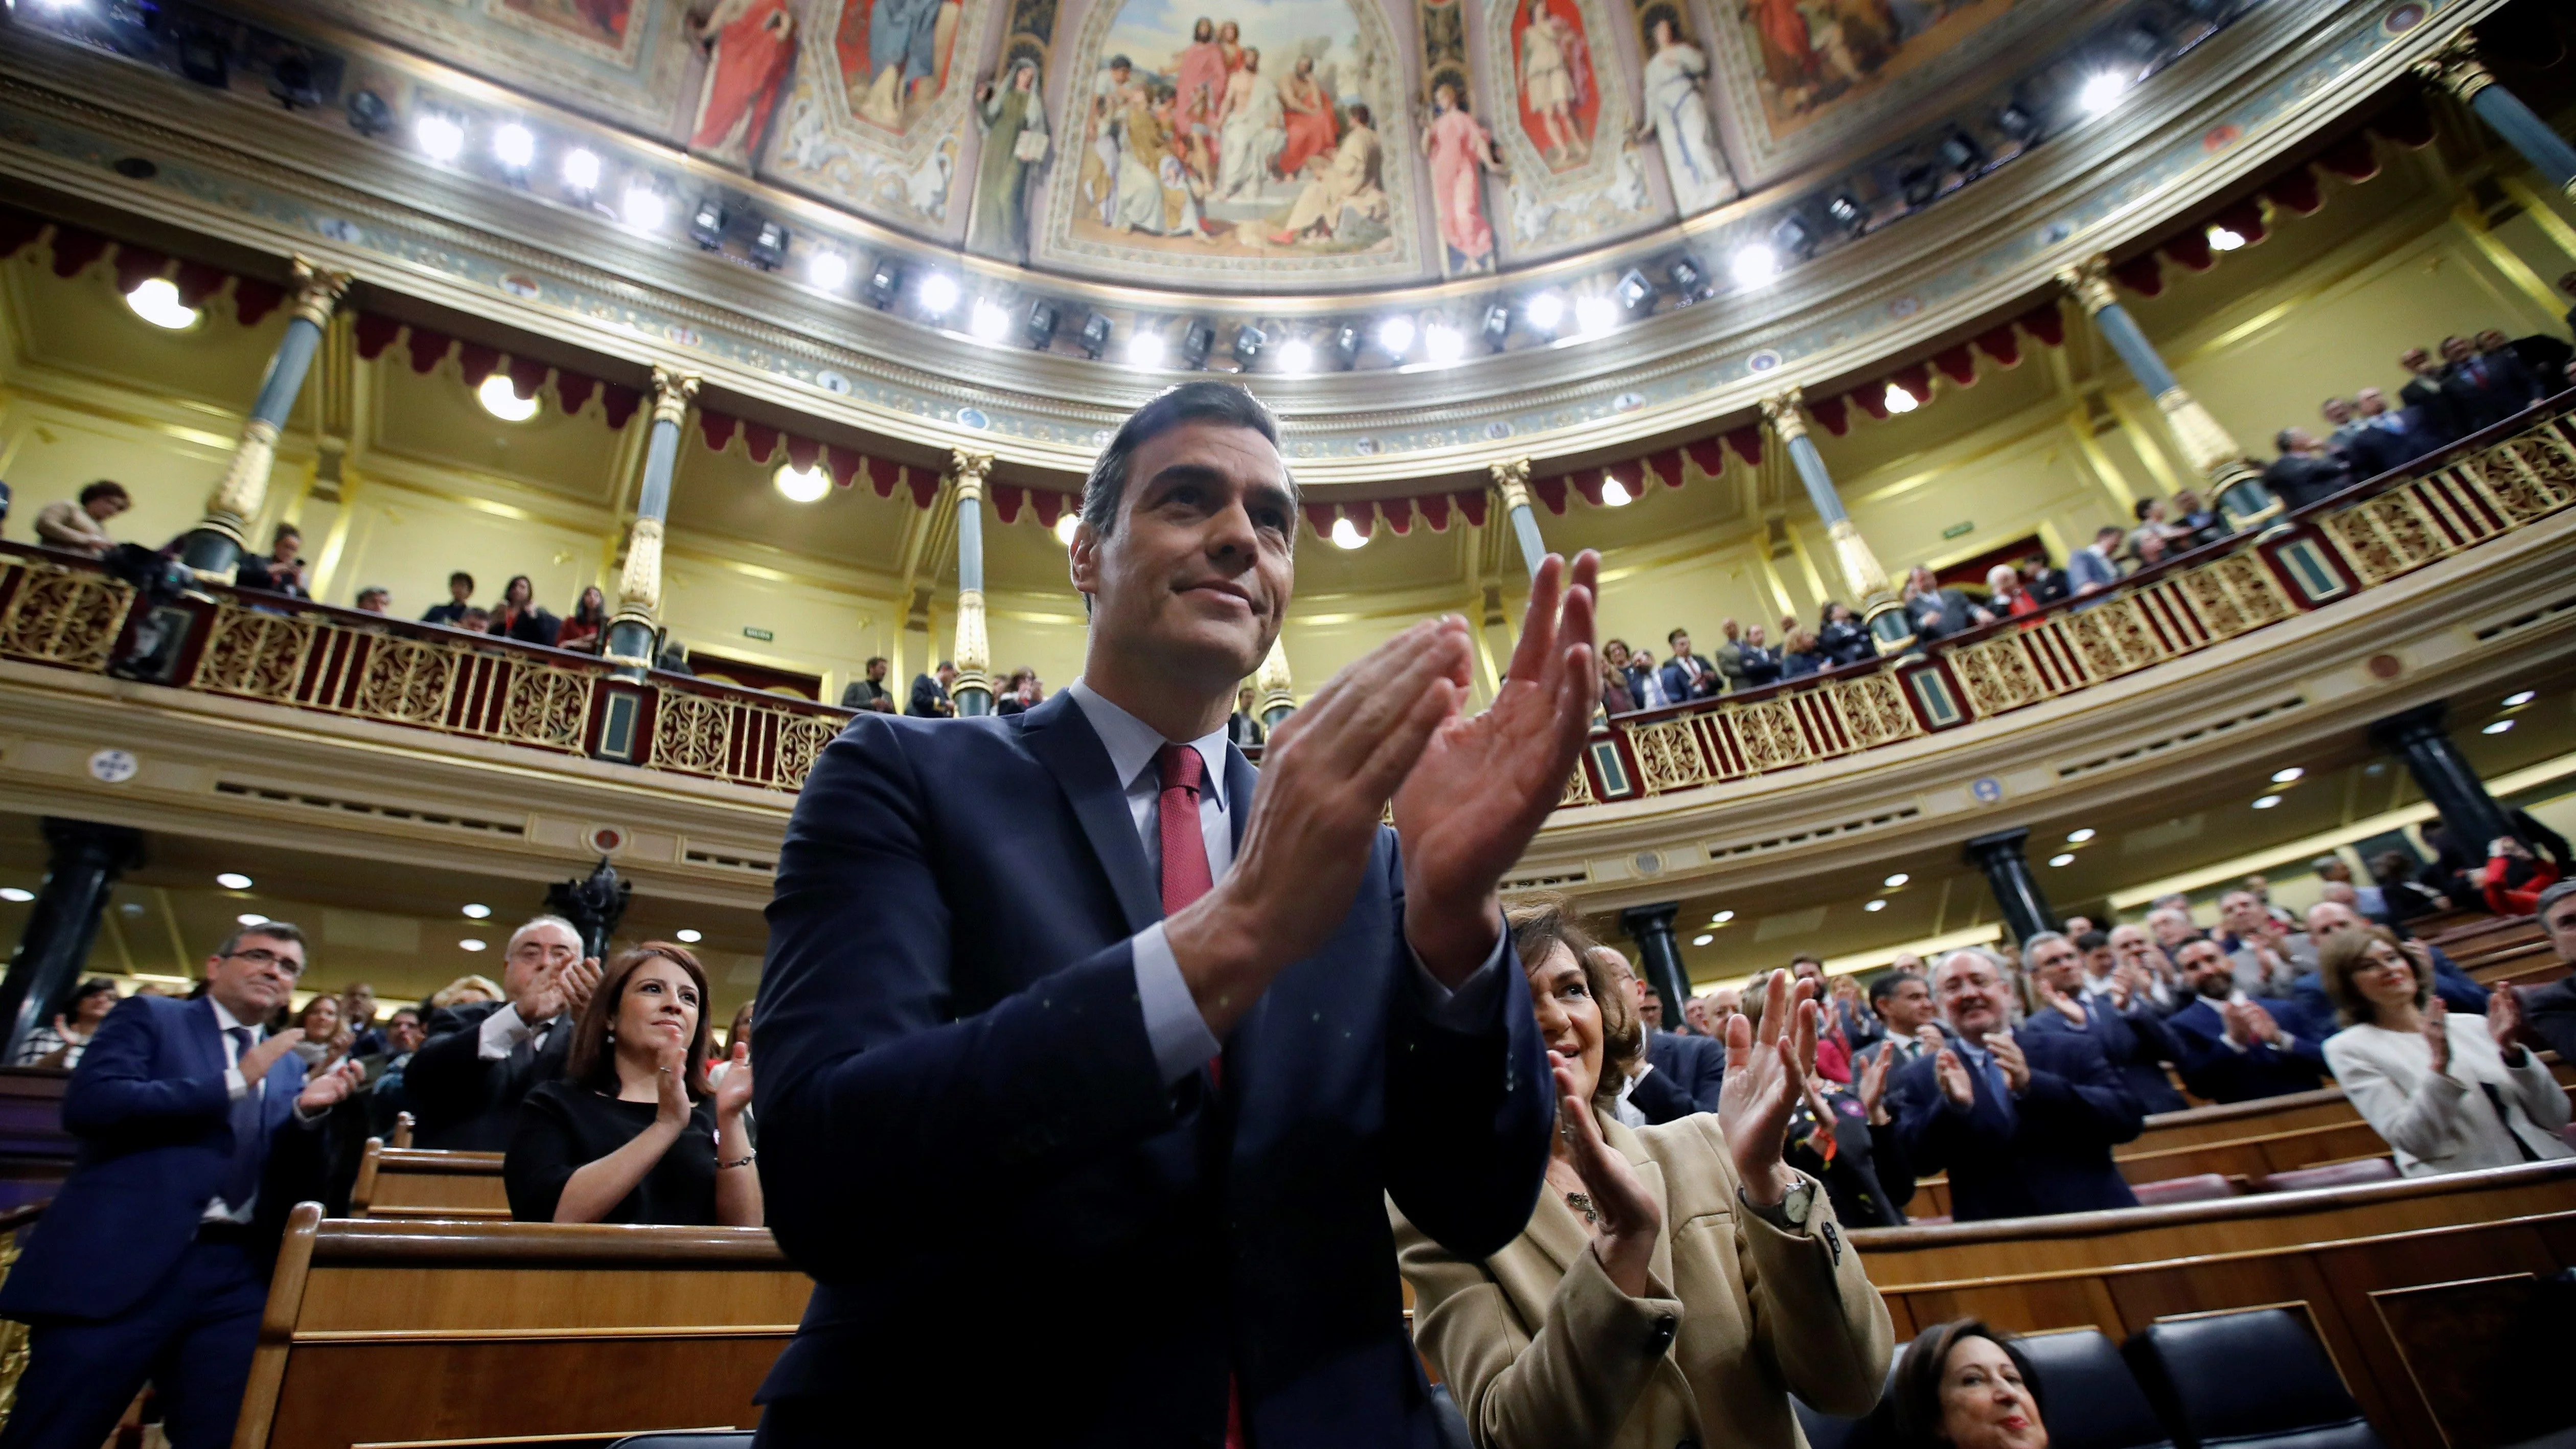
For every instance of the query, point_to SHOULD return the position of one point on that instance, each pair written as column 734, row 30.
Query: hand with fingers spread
column 1766, row 1075
column 1326, row 775
column 255, row 1063
column 2066, row 1006
column 330, row 1088
column 2009, row 1056
column 2504, row 1022
column 1873, row 1084
column 1627, row 1219
column 1951, row 1071
column 2436, row 1016
column 1484, row 783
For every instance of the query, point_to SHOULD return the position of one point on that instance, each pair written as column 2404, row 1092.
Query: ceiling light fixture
column 1346, row 534
column 1395, row 335
column 1595, row 315
column 2266, row 802
column 1442, row 344
column 2062, row 859
column 829, row 271
column 2519, row 699
column 233, row 880
column 515, row 146
column 581, row 170
column 439, row 135
column 478, row 912
column 1702, row 940
column 2078, row 837
column 502, row 400
column 1755, row 266
column 1615, row 494
column 687, row 937
column 470, row 944
column 2284, row 777
column 802, row 485
column 157, row 302
column 1897, row 880
column 2223, row 240
column 250, row 918
column 1722, row 917
column 2102, row 90
column 1900, row 401
column 1064, row 527
column 1877, row 905
column 2499, row 727
column 16, row 895
column 645, row 209
column 1296, row 355
column 938, row 294
column 1145, row 349
column 1544, row 312
column 990, row 321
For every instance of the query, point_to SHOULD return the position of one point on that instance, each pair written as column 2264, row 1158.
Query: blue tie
column 242, row 1182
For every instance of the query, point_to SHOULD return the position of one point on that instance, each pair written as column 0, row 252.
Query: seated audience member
column 358, row 1014
column 1845, row 638
column 1650, row 1096
column 1761, row 662
column 79, row 525
column 2005, row 594
column 2306, row 471
column 1833, row 1050
column 2328, row 919
column 282, row 571
column 2234, row 1047
column 2367, row 899
column 633, row 1132
column 1962, row 1385
column 2092, row 569
column 1801, row 656
column 2449, row 1092
column 61, row 1044
column 2266, row 954
column 2172, row 926
column 2023, row 1126
column 1615, row 698
column 460, row 591
column 1691, row 1064
column 2125, row 1027
column 587, row 630
column 2143, row 968
column 387, row 1097
column 1902, row 1001
column 2512, row 882
column 1936, row 612
column 1571, row 1336
column 324, row 1040
column 481, row 1061
column 2404, row 896
column 2043, row 581
column 869, row 691
column 475, row 621
column 930, row 693
column 2551, row 1009
column 2436, row 418
column 1847, row 1011
column 1720, row 1005
column 1687, row 676
column 520, row 617
column 1844, row 1137
column 375, row 599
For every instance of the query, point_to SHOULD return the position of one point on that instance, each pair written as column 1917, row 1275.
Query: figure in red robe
column 1312, row 131
column 755, row 44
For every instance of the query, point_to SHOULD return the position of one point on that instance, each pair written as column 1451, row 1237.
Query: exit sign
column 762, row 635
column 1956, row 530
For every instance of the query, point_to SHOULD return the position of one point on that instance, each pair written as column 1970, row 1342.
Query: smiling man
column 1106, row 1105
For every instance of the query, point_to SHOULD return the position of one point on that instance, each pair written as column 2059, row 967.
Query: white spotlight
column 829, row 271
column 1722, row 917
column 157, row 302
column 1875, row 906
column 645, row 209
column 1545, row 310
column 1901, row 401
column 514, row 146
column 250, row 918
column 1702, row 940
column 478, row 912
column 1395, row 334
column 1615, row 494
column 2284, row 777
column 989, row 322
column 2078, row 837
column 1296, row 355
column 2102, row 90
column 938, row 294
column 2499, row 727
column 581, row 170
column 439, row 136
column 16, row 895
column 502, row 400
column 1346, row 534
column 2061, row 859
column 2223, row 240
column 1755, row 265
column 1898, row 879
column 1595, row 315
column 470, row 944
column 233, row 880
column 1064, row 527
column 1145, row 349
column 687, row 938
column 2518, row 700
column 1442, row 344
column 802, row 485
column 2267, row 802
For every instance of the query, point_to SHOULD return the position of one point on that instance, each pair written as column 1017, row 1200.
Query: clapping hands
column 1627, row 1219
column 1766, row 1075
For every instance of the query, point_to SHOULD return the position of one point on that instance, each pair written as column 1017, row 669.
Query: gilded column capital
column 2209, row 446
column 317, row 291
column 2455, row 66
column 973, row 656
column 968, row 470
column 1274, row 687
column 1511, row 479
column 2090, row 281
column 1784, row 412
column 639, row 583
column 673, row 391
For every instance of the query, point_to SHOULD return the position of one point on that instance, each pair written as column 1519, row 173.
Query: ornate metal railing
column 67, row 613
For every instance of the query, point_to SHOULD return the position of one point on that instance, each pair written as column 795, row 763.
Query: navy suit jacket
column 966, row 1140
column 2316, row 1013
column 2137, row 1044
column 1696, row 1064
column 2049, row 1152
column 154, row 1123
column 2213, row 1069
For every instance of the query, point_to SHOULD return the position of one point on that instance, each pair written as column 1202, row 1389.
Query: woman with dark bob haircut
column 1963, row 1385
column 632, row 1133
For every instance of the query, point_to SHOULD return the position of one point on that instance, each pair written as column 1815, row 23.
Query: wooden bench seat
column 399, row 1182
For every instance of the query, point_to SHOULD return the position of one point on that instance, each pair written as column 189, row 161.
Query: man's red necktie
column 1185, row 879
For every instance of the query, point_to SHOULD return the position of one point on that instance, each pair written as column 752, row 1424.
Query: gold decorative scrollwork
column 801, row 739
column 1996, row 676
column 1874, row 711
column 253, row 653
column 691, row 733
column 69, row 620
column 13, row 1335
column 1771, row 737
column 1669, row 756
column 407, row 682
column 549, row 707
column 1578, row 788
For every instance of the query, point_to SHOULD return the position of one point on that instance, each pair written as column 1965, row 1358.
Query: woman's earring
column 612, row 1033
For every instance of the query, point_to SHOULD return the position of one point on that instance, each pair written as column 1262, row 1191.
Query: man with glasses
column 152, row 1263
column 483, row 1059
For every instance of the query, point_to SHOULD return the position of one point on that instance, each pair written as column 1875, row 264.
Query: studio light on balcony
column 2102, row 90
column 1901, row 401
column 938, row 294
column 478, row 911
column 1754, row 266
column 1296, row 355
column 990, row 321
column 157, row 302
column 2223, row 240
column 2062, row 859
column 687, row 937
column 1615, row 494
column 1395, row 336
column 2288, row 776
column 1145, row 349
column 515, row 146
column 1544, row 312
column 2499, row 727
column 502, row 400
column 829, row 271
column 645, row 209
column 1442, row 344
column 1064, row 527
column 802, row 485
column 1346, row 534
column 1595, row 315
column 233, row 880
column 439, row 135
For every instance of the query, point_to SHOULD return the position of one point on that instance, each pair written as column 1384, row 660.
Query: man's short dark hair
column 286, row 531
column 2283, row 440
column 402, row 1011
column 875, row 659
column 2092, row 941
column 1120, row 62
column 1884, row 986
column 1676, row 634
column 2143, row 505
column 461, row 577
column 2556, row 893
column 2109, row 530
column 105, row 488
column 273, row 930
column 1222, row 403
column 942, row 664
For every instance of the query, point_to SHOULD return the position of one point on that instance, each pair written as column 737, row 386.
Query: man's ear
column 1083, row 561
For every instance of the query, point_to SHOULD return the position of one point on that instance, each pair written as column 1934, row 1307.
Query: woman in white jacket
column 2450, row 1093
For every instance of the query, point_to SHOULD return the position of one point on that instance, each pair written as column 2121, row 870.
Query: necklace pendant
column 1582, row 1203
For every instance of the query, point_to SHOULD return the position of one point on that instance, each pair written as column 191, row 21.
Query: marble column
column 2017, row 894
column 1660, row 956
column 83, row 863
column 2470, row 816
column 1271, row 685
column 1871, row 593
column 636, row 617
column 214, row 548
column 2455, row 68
column 973, row 691
column 2233, row 478
column 1512, row 481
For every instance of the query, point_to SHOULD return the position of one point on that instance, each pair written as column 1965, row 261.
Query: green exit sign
column 762, row 635
column 1958, row 530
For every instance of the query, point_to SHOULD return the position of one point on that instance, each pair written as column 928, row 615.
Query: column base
column 630, row 647
column 213, row 550
column 2242, row 497
column 973, row 701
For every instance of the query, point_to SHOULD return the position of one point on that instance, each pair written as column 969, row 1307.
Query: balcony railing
column 68, row 613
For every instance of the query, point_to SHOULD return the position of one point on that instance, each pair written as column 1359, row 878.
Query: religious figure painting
column 1012, row 114
column 1797, row 76
column 1245, row 139
column 751, row 47
column 1675, row 113
column 1564, row 136
column 1560, row 102
column 876, row 107
column 603, row 21
column 894, row 56
column 1461, row 151
column 626, row 61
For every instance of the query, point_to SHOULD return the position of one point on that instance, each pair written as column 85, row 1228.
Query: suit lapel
column 1062, row 740
column 1241, row 779
column 206, row 1036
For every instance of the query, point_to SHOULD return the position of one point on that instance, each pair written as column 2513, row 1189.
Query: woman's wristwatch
column 1789, row 1214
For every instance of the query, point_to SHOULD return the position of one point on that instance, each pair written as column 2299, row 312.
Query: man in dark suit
column 1687, row 676
column 482, row 1059
column 197, row 1134
column 2315, row 1012
column 1902, row 1001
column 2236, row 1050
column 2435, row 416
column 930, row 693
column 2550, row 1011
column 2129, row 1033
column 1684, row 1072
column 2024, row 1125
column 2380, row 439
column 1128, row 1085
column 2305, row 471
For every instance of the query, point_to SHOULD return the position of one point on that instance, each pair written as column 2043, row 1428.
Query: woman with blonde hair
column 1675, row 1283
column 2448, row 1092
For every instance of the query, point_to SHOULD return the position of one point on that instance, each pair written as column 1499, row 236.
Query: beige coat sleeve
column 1572, row 1383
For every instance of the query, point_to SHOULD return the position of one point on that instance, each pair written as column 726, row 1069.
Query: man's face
column 371, row 603
column 2371, row 401
column 2327, row 920
column 2100, row 960
column 105, row 508
column 1971, row 992
column 2416, row 360
column 1907, row 961
column 1243, row 700
column 2243, row 914
column 2078, row 925
column 358, row 1005
column 2058, row 963
column 876, row 671
column 2172, row 928
column 1907, row 1007
column 460, row 589
column 2337, row 411
column 2128, row 946
column 2455, row 349
column 540, row 948
column 1806, row 971
column 2205, row 972
column 403, row 1033
column 947, row 675
column 1650, row 1007
column 283, row 551
column 1680, row 644
column 2559, row 922
column 1198, row 572
column 256, row 979
column 1753, row 636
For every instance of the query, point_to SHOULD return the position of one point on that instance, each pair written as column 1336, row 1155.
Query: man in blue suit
column 2129, row 1033
column 196, row 1136
column 1117, row 1092
column 2316, row 1017
column 2023, row 1124
column 2237, row 1048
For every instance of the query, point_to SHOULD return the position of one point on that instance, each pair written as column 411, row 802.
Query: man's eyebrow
column 1180, row 473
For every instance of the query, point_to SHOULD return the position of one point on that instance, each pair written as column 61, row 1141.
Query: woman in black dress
column 632, row 1133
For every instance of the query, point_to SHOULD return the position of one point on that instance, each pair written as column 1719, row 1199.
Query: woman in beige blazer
column 1675, row 1284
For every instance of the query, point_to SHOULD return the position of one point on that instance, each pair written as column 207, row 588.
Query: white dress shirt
column 239, row 1086
column 502, row 1031
column 1180, row 1036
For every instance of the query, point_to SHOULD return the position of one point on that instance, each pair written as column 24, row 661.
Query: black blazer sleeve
column 1708, row 1071
column 447, row 1080
column 543, row 1155
column 1661, row 1098
column 2081, row 1096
